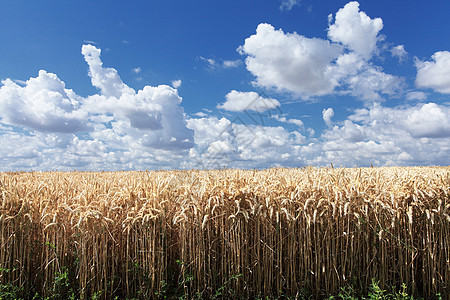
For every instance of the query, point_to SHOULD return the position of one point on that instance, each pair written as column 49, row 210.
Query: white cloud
column 176, row 83
column 152, row 116
column 399, row 52
column 106, row 79
column 207, row 131
column 120, row 128
column 242, row 101
column 290, row 61
column 288, row 4
column 283, row 119
column 42, row 104
column 137, row 70
column 310, row 67
column 371, row 82
column 430, row 120
column 362, row 79
column 414, row 135
column 327, row 114
column 354, row 29
column 435, row 74
column 219, row 143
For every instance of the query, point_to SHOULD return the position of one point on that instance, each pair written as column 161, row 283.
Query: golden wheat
column 248, row 232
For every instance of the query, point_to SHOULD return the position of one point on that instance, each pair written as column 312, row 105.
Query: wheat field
column 226, row 233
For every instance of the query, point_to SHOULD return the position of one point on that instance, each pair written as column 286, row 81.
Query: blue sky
column 112, row 85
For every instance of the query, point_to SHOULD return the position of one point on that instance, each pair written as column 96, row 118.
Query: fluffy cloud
column 242, row 101
column 152, row 116
column 43, row 104
column 428, row 121
column 290, row 61
column 420, row 121
column 435, row 74
column 409, row 135
column 354, row 29
column 55, row 128
column 105, row 79
column 418, row 135
column 220, row 142
column 310, row 67
column 371, row 81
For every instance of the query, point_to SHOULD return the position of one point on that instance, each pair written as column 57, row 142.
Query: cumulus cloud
column 378, row 135
column 354, row 29
column 220, row 142
column 310, row 67
column 118, row 128
column 429, row 121
column 42, row 104
column 412, row 135
column 290, row 61
column 327, row 114
column 105, row 79
column 435, row 74
column 418, row 135
column 242, row 101
column 152, row 116
column 371, row 82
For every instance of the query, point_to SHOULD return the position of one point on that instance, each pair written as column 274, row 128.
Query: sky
column 165, row 84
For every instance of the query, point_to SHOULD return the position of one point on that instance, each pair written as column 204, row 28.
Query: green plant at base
column 62, row 288
column 375, row 292
column 347, row 293
column 162, row 294
column 220, row 290
column 401, row 295
column 10, row 291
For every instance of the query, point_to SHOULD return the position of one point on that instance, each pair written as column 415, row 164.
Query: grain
column 268, row 232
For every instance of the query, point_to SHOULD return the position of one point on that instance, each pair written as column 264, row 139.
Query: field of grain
column 226, row 233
